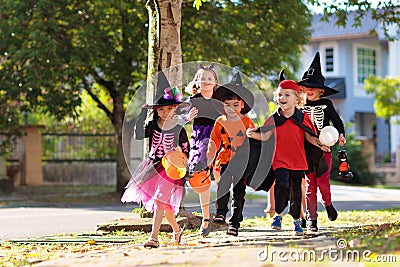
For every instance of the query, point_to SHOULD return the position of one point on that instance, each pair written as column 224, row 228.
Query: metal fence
column 70, row 147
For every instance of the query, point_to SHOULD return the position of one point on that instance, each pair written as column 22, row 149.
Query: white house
column 348, row 56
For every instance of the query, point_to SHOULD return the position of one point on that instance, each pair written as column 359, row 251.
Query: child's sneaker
column 312, row 226
column 303, row 223
column 297, row 228
column 332, row 213
column 277, row 223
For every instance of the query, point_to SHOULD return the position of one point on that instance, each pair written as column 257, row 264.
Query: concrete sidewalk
column 255, row 246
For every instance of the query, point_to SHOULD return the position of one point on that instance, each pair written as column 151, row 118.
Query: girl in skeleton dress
column 322, row 113
column 149, row 183
column 204, row 112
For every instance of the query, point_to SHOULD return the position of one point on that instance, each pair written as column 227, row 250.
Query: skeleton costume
column 322, row 113
column 150, row 184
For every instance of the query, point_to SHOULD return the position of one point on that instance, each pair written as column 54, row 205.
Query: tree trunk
column 123, row 174
column 154, row 49
column 170, row 39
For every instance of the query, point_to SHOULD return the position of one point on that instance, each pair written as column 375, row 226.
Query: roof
column 328, row 29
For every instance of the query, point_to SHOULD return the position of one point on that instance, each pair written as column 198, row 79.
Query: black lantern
column 344, row 167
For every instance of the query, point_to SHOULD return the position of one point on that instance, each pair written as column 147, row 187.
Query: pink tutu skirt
column 151, row 186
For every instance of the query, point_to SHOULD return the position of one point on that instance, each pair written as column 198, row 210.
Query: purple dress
column 150, row 184
column 209, row 111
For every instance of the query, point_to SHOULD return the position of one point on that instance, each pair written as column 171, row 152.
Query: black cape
column 253, row 160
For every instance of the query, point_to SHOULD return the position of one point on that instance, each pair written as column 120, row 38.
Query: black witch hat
column 236, row 86
column 165, row 94
column 313, row 78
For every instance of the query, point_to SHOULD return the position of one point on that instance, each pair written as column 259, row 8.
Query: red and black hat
column 313, row 78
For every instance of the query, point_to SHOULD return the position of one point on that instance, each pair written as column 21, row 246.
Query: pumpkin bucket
column 200, row 181
column 174, row 163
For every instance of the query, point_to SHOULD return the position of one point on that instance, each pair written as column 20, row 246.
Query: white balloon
column 328, row 135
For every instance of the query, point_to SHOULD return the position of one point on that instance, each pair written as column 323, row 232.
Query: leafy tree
column 260, row 37
column 10, row 119
column 53, row 53
column 386, row 12
column 88, row 118
column 386, row 93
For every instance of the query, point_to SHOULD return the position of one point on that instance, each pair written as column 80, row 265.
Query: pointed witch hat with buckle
column 313, row 78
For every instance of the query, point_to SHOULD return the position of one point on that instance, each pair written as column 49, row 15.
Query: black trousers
column 223, row 195
column 288, row 188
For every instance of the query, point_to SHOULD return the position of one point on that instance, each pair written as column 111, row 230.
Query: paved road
column 24, row 222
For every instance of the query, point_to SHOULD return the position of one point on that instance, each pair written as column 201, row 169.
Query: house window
column 329, row 60
column 366, row 63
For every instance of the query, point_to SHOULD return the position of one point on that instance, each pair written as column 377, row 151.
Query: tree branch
column 107, row 84
column 99, row 103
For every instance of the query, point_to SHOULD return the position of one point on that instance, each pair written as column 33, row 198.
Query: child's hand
column 250, row 132
column 192, row 114
column 325, row 148
column 342, row 140
column 178, row 148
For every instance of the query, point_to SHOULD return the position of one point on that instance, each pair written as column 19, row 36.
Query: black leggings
column 288, row 188
column 223, row 194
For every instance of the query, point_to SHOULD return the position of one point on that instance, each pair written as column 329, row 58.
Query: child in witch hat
column 293, row 129
column 150, row 183
column 227, row 136
column 322, row 113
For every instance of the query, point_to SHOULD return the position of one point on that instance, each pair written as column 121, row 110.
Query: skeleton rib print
column 316, row 114
column 161, row 144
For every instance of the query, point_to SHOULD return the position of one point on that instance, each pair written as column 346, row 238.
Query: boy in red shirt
column 289, row 162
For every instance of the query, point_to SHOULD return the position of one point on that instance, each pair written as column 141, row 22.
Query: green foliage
column 10, row 118
column 386, row 93
column 51, row 51
column 358, row 161
column 384, row 12
column 259, row 37
column 78, row 147
column 198, row 3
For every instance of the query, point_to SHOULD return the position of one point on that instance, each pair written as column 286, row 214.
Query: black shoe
column 332, row 213
column 232, row 230
column 219, row 218
column 303, row 223
column 312, row 226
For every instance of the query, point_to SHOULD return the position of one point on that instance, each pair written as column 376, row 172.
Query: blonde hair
column 301, row 97
column 194, row 86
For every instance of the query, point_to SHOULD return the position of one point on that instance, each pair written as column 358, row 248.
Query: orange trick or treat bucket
column 200, row 181
column 174, row 163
